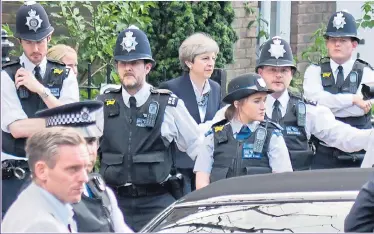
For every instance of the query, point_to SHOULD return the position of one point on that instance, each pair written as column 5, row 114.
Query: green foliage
column 261, row 23
column 367, row 21
column 174, row 21
column 317, row 49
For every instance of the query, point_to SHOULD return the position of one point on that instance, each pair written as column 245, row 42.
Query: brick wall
column 306, row 17
column 245, row 47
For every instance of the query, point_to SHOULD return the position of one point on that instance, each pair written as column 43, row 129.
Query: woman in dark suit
column 201, row 95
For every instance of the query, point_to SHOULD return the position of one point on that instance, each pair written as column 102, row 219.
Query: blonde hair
column 44, row 145
column 57, row 52
column 196, row 44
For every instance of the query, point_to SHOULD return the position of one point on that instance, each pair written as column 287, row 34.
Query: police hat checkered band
column 78, row 118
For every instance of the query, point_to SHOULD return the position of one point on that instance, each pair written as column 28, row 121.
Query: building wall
column 306, row 17
column 245, row 47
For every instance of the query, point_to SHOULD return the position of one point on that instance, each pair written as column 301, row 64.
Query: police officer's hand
column 27, row 79
column 365, row 105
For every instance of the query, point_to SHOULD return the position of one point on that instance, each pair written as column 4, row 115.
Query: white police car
column 307, row 201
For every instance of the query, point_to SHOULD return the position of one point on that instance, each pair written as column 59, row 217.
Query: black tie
column 132, row 101
column 37, row 74
column 277, row 114
column 340, row 77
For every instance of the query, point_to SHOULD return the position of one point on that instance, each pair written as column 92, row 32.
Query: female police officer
column 258, row 145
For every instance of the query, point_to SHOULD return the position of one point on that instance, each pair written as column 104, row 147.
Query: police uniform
column 333, row 85
column 226, row 154
column 301, row 119
column 31, row 24
column 98, row 210
column 134, row 150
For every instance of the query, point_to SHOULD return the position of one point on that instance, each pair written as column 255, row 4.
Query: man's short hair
column 194, row 45
column 44, row 145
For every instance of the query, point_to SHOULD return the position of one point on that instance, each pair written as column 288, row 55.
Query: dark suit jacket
column 182, row 88
column 361, row 216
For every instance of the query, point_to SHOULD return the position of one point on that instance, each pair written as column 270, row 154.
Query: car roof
column 327, row 180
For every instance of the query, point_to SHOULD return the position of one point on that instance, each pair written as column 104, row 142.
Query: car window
column 322, row 217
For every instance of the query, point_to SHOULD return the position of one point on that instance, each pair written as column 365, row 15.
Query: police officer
column 140, row 123
column 299, row 117
column 336, row 83
column 98, row 209
column 29, row 84
column 259, row 145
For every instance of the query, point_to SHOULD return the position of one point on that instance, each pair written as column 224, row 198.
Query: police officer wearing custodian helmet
column 140, row 123
column 29, row 84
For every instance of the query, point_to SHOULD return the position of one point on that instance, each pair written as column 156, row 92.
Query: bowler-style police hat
column 342, row 24
column 32, row 22
column 245, row 85
column 276, row 52
column 78, row 115
column 132, row 44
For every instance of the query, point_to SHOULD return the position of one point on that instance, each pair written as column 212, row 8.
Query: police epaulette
column 310, row 102
column 56, row 61
column 295, row 94
column 161, row 91
column 273, row 124
column 365, row 63
column 10, row 63
column 113, row 90
column 217, row 127
column 324, row 60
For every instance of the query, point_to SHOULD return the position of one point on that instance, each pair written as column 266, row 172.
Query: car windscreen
column 320, row 216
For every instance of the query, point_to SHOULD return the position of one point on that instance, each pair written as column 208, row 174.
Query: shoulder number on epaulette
column 173, row 101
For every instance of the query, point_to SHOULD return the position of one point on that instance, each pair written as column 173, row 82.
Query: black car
column 308, row 201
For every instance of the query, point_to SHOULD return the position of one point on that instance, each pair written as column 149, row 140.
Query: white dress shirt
column 369, row 155
column 340, row 104
column 279, row 159
column 199, row 97
column 321, row 123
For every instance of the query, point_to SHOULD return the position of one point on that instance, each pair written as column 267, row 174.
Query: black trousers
column 325, row 159
column 11, row 189
column 138, row 211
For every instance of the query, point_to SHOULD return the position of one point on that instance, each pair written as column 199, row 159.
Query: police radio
column 259, row 140
column 150, row 120
column 353, row 79
column 23, row 92
column 301, row 114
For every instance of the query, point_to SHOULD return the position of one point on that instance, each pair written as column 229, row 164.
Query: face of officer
column 35, row 51
column 92, row 146
column 132, row 74
column 276, row 78
column 251, row 108
column 340, row 49
column 203, row 65
column 66, row 178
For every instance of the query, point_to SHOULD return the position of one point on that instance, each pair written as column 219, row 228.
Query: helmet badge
column 261, row 82
column 33, row 20
column 129, row 42
column 276, row 49
column 339, row 21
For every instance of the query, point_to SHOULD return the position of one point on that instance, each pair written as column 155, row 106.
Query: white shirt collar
column 141, row 96
column 236, row 125
column 30, row 66
column 283, row 100
column 347, row 66
column 206, row 89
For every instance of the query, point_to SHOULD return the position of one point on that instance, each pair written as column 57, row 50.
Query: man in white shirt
column 29, row 84
column 336, row 82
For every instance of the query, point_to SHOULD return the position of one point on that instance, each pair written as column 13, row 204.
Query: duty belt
column 14, row 168
column 139, row 190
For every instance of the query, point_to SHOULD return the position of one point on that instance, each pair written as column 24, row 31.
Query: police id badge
column 353, row 80
column 248, row 152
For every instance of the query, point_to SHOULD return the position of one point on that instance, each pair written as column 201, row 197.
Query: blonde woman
column 201, row 95
column 243, row 143
column 64, row 54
